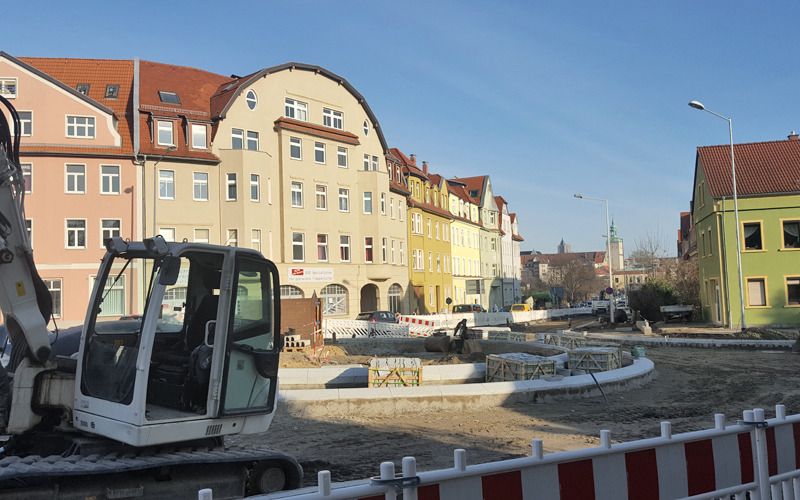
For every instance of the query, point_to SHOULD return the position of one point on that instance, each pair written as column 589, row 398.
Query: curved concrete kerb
column 394, row 400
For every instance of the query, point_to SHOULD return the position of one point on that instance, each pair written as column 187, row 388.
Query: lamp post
column 155, row 185
column 608, row 246
column 698, row 105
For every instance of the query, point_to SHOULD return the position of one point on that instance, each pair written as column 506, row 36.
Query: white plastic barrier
column 419, row 326
column 755, row 458
column 351, row 328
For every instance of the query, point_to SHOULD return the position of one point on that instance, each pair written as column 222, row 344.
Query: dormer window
column 112, row 91
column 473, row 193
column 169, row 97
column 83, row 88
column 296, row 109
column 8, row 88
column 331, row 118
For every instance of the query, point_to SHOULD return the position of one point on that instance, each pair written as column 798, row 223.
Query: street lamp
column 608, row 245
column 155, row 185
column 698, row 105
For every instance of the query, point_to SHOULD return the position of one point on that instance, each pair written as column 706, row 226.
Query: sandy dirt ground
column 690, row 386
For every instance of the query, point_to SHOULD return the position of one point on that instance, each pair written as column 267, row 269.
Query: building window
column 76, row 233
column 255, row 239
column 255, row 188
column 199, row 136
column 25, row 123
column 366, row 127
column 368, row 249
column 83, row 88
column 751, row 232
column 384, row 250
column 237, row 138
column 109, row 179
column 76, row 179
column 756, row 292
column 27, row 176
column 429, row 226
column 297, row 110
column 438, row 262
column 793, row 291
column 109, row 228
column 344, row 248
column 295, row 148
column 252, row 140
column 394, row 295
column 166, row 184
column 233, row 238
column 394, row 261
column 8, row 88
column 791, row 234
column 297, row 194
column 81, row 127
column 298, row 247
column 342, row 156
column 402, row 254
column 319, row 152
column 251, row 99
column 54, row 287
column 344, row 200
column 168, row 233
column 168, row 97
column 331, row 118
column 400, row 210
column 367, row 202
column 322, row 248
column 201, row 235
column 430, row 295
column 334, row 300
column 430, row 261
column 289, row 292
column 366, row 162
column 231, row 194
column 391, row 208
column 200, row 186
column 29, row 229
column 165, row 133
column 383, row 203
column 374, row 163
column 322, row 197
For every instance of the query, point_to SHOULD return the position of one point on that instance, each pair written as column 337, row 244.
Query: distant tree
column 576, row 277
column 684, row 276
column 649, row 251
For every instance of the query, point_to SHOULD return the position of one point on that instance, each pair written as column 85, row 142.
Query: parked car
column 520, row 307
column 466, row 308
column 378, row 316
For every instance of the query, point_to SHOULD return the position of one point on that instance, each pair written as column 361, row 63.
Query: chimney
column 413, row 159
column 793, row 136
column 425, row 167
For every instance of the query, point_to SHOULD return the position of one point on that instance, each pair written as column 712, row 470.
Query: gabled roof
column 761, row 168
column 474, row 184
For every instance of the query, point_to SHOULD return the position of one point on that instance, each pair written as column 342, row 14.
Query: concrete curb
column 684, row 342
column 400, row 400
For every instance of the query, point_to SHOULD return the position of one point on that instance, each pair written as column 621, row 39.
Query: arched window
column 395, row 293
column 334, row 300
column 291, row 292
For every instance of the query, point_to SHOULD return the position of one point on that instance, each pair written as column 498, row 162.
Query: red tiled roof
column 98, row 73
column 317, row 130
column 473, row 183
column 761, row 168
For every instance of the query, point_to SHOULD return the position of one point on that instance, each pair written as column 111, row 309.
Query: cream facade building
column 466, row 237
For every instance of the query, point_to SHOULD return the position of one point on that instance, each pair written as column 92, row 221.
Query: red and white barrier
column 755, row 458
column 418, row 327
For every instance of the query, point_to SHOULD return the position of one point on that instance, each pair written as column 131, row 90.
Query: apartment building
column 465, row 245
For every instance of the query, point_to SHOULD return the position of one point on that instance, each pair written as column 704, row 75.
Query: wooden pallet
column 517, row 366
column 594, row 359
column 395, row 372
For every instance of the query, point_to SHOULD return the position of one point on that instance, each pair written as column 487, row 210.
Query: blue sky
column 548, row 98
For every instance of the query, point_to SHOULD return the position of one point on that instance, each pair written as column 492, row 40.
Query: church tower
column 563, row 247
column 617, row 258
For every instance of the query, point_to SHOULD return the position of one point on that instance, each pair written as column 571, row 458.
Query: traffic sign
column 609, row 291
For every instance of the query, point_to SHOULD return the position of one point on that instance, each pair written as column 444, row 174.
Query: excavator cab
column 180, row 343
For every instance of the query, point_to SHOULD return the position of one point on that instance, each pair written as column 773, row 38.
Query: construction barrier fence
column 754, row 458
column 351, row 328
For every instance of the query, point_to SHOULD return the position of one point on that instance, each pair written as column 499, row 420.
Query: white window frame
column 8, row 87
column 295, row 109
column 344, row 200
column 110, row 178
column 295, row 143
column 319, row 152
column 77, row 179
column 366, row 163
column 367, row 202
column 402, row 253
column 255, row 239
column 237, row 138
column 374, row 163
column 341, row 157
column 199, row 136
column 322, row 247
column 166, row 184
column 369, row 250
column 231, row 188
column 321, row 197
column 297, row 194
column 202, row 235
column 55, row 288
column 332, row 118
column 232, row 239
column 167, row 128
column 80, row 127
column 252, row 140
column 25, row 123
column 251, row 99
column 200, row 181
column 168, row 233
column 255, row 187
column 27, row 176
column 383, row 203
column 344, row 248
column 298, row 242
column 77, row 232
column 109, row 232
column 384, row 249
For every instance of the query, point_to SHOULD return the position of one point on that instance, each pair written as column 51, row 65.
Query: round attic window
column 366, row 127
column 251, row 99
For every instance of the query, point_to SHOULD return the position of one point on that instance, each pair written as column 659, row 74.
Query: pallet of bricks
column 563, row 340
column 515, row 336
column 595, row 359
column 517, row 366
column 395, row 372
column 293, row 343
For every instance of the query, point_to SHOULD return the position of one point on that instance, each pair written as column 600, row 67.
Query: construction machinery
column 142, row 409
